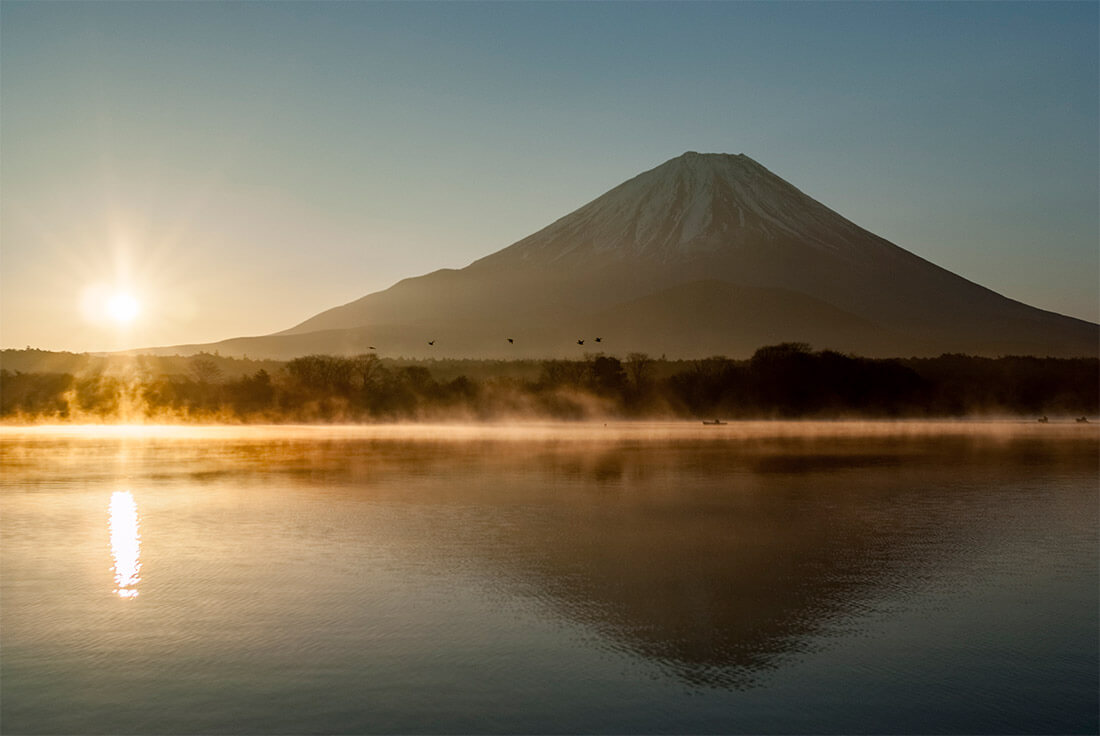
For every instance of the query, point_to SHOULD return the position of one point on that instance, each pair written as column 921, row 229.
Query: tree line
column 782, row 381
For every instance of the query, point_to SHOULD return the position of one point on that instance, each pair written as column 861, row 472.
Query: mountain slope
column 738, row 232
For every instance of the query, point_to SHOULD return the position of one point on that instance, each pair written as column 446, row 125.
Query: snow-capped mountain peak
column 694, row 204
column 705, row 254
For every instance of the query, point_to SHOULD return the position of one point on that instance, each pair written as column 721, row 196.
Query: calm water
column 639, row 578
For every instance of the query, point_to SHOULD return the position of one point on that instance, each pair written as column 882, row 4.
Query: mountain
column 705, row 254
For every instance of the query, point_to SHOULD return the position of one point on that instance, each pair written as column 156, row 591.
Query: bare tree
column 365, row 369
column 204, row 369
column 640, row 368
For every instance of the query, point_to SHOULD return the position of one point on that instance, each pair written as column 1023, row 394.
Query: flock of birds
column 511, row 341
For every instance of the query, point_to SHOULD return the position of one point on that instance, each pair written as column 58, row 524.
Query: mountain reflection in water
column 718, row 561
column 721, row 561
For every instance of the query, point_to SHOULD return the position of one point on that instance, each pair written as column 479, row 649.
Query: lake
column 754, row 577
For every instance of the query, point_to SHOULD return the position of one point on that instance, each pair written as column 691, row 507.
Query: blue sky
column 242, row 166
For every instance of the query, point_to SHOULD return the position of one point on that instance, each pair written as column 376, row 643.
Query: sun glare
column 122, row 308
column 125, row 543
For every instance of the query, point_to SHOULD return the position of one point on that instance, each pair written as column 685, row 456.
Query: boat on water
column 716, row 421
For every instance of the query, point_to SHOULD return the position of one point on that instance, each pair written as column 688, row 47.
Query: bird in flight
column 580, row 342
column 371, row 347
column 599, row 339
column 431, row 342
column 510, row 340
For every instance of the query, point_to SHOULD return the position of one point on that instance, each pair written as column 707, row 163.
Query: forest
column 789, row 380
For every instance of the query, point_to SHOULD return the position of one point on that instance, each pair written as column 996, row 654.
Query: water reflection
column 125, row 543
column 719, row 562
column 816, row 582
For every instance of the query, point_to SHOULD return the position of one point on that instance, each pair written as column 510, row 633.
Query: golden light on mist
column 125, row 543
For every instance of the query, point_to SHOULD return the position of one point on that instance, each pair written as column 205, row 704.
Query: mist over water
column 642, row 577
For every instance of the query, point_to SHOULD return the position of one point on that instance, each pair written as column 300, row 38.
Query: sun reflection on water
column 125, row 543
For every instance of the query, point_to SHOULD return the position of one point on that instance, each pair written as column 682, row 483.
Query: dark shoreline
column 788, row 381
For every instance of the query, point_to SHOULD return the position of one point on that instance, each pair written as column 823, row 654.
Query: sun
column 122, row 308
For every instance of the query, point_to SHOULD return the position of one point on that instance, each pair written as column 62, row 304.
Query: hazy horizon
column 238, row 168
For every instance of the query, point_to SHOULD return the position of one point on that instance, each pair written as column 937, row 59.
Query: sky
column 236, row 168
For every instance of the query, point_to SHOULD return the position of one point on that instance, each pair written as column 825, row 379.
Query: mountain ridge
column 703, row 218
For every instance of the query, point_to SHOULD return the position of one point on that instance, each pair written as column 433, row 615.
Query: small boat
column 1082, row 420
column 1043, row 420
column 715, row 422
